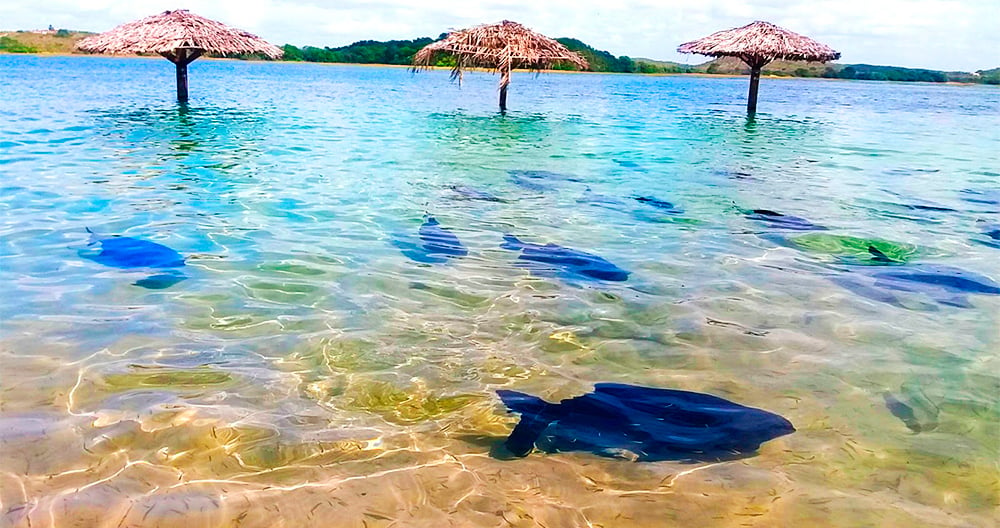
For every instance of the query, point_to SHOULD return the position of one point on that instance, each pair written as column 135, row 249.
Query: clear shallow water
column 307, row 371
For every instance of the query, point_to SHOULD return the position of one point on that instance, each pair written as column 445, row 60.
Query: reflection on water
column 307, row 372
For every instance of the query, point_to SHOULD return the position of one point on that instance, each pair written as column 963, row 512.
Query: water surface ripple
column 306, row 372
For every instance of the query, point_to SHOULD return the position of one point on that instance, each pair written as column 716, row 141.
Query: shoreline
column 375, row 65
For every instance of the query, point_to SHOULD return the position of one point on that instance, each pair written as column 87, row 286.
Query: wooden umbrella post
column 500, row 48
column 757, row 44
column 179, row 36
column 752, row 96
column 755, row 63
column 504, row 83
column 181, row 58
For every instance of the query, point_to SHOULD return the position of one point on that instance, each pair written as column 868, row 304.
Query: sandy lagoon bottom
column 393, row 430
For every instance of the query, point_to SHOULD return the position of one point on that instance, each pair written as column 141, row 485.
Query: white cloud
column 943, row 34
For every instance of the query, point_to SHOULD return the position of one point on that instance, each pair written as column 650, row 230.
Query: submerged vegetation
column 859, row 248
column 400, row 52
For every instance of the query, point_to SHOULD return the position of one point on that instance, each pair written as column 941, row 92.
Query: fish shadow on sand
column 917, row 412
column 130, row 253
column 639, row 423
column 662, row 205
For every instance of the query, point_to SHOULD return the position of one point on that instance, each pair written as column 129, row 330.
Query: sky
column 936, row 34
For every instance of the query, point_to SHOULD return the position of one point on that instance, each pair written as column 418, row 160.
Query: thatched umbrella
column 181, row 37
column 758, row 44
column 498, row 47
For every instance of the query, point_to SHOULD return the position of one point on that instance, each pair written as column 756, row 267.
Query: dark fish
column 914, row 209
column 628, row 164
column 471, row 193
column 659, row 204
column 530, row 185
column 436, row 246
column 946, row 285
column 990, row 236
column 160, row 281
column 864, row 287
column 783, row 221
column 902, row 411
column 644, row 423
column 927, row 206
column 921, row 277
column 910, row 202
column 988, row 198
column 882, row 258
column 127, row 253
column 603, row 200
column 902, row 171
column 543, row 175
column 563, row 259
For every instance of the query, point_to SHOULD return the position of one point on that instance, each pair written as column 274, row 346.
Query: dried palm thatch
column 181, row 37
column 172, row 30
column 758, row 44
column 500, row 48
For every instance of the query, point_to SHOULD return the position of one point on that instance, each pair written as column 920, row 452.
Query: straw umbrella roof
column 498, row 47
column 173, row 30
column 759, row 43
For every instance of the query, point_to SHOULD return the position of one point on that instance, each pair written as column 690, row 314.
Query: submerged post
column 503, row 98
column 182, row 81
column 181, row 57
column 752, row 96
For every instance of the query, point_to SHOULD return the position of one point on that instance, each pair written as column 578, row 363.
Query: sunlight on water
column 300, row 370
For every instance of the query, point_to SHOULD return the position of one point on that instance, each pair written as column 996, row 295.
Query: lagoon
column 305, row 370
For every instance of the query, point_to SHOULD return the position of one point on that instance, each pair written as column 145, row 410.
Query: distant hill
column 51, row 41
column 401, row 52
column 600, row 61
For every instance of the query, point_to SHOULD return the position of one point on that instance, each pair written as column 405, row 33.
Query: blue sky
column 938, row 34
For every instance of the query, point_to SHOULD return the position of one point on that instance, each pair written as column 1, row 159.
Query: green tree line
column 600, row 60
column 867, row 72
column 361, row 52
column 401, row 52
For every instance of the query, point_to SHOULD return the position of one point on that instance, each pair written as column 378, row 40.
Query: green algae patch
column 854, row 246
column 166, row 379
column 402, row 406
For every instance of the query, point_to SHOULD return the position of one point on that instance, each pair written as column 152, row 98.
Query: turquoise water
column 306, row 370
